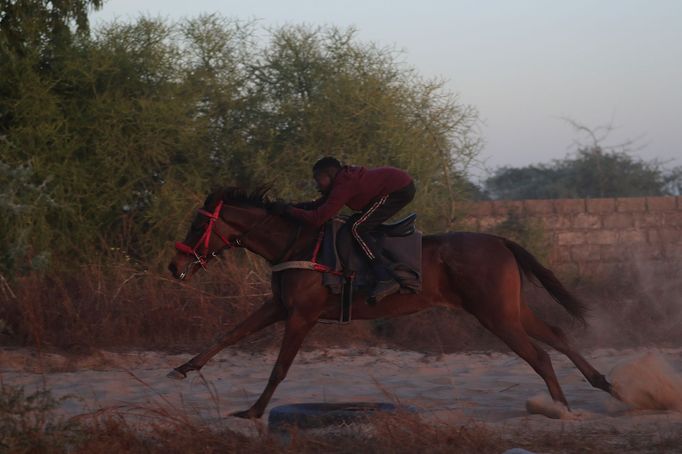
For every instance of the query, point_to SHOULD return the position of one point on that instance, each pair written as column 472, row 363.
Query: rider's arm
column 331, row 205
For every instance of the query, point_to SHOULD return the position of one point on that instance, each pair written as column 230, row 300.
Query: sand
column 495, row 389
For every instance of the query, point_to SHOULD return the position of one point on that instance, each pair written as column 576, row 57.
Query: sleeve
column 328, row 209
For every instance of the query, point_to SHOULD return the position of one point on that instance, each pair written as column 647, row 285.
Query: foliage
column 594, row 171
column 28, row 422
column 113, row 145
column 42, row 28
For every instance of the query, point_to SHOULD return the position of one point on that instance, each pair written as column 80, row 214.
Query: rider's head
column 324, row 172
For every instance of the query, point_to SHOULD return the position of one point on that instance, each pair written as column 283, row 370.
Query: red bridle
column 202, row 259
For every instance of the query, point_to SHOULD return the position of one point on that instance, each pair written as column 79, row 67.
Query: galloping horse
column 479, row 272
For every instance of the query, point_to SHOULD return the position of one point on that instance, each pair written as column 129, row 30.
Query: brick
column 585, row 253
column 646, row 252
column 613, row 253
column 539, row 206
column 665, row 235
column 601, row 205
column 632, row 236
column 602, row 237
column 567, row 270
column 570, row 206
column 484, row 208
column 648, row 219
column 660, row 203
column 617, row 221
column 556, row 221
column 586, row 221
column 599, row 270
column 504, row 207
column 488, row 222
column 673, row 218
column 674, row 252
column 560, row 255
column 679, row 202
column 630, row 204
column 570, row 238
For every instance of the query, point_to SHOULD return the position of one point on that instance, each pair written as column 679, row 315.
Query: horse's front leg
column 270, row 312
column 297, row 327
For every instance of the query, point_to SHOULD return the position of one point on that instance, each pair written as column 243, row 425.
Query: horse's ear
column 213, row 196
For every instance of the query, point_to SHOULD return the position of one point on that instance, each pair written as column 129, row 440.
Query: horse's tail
column 534, row 271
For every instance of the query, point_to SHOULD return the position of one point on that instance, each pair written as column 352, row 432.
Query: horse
column 481, row 273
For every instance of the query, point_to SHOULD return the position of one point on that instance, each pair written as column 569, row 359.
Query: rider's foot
column 382, row 290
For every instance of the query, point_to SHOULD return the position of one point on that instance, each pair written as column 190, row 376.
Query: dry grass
column 121, row 307
column 30, row 425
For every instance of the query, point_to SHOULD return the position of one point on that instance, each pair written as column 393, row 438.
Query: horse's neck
column 274, row 237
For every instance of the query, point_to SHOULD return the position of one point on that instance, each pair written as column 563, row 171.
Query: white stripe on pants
column 362, row 219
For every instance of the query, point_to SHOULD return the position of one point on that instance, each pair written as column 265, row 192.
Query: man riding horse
column 377, row 193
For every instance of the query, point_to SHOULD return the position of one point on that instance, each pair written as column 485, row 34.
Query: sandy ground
column 490, row 388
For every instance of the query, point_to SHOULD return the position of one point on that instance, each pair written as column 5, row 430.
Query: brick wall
column 597, row 237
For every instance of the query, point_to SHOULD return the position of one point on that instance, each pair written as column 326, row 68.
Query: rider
column 377, row 193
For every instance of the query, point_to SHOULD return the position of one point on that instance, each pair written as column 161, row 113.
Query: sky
column 525, row 65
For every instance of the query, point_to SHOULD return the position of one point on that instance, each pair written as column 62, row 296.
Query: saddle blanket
column 340, row 252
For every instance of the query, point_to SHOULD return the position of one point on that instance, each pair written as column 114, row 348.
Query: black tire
column 319, row 415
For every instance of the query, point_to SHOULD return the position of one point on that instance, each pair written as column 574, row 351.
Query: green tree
column 593, row 171
column 42, row 25
column 321, row 92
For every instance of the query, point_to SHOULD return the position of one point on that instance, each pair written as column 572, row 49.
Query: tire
column 319, row 415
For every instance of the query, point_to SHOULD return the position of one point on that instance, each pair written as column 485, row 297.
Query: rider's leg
column 375, row 214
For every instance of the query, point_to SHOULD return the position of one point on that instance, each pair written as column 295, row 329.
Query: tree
column 323, row 93
column 118, row 143
column 29, row 25
column 595, row 170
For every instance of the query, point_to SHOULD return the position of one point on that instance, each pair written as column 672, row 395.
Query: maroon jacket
column 354, row 187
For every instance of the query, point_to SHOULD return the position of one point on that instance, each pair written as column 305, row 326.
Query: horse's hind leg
column 555, row 338
column 269, row 313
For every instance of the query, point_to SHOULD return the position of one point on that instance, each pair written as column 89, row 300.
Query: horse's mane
column 234, row 195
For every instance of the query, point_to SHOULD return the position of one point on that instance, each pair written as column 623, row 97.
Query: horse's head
column 210, row 233
column 206, row 238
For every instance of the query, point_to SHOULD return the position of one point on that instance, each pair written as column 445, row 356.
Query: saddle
column 401, row 246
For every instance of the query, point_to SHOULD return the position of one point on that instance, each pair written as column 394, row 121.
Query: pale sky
column 523, row 64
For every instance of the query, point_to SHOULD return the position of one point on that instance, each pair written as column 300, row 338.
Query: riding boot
column 385, row 283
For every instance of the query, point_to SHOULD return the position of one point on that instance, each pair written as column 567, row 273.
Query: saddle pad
column 340, row 251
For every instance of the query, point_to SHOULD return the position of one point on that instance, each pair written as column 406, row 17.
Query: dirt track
column 457, row 388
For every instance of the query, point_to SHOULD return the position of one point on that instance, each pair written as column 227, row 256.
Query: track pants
column 377, row 212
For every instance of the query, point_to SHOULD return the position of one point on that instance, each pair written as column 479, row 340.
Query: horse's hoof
column 176, row 375
column 246, row 414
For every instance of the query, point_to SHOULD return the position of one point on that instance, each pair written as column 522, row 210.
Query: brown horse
column 479, row 272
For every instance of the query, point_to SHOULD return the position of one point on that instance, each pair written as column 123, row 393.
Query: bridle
column 204, row 240
column 235, row 242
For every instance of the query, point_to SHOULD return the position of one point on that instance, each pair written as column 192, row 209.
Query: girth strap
column 311, row 264
column 301, row 265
